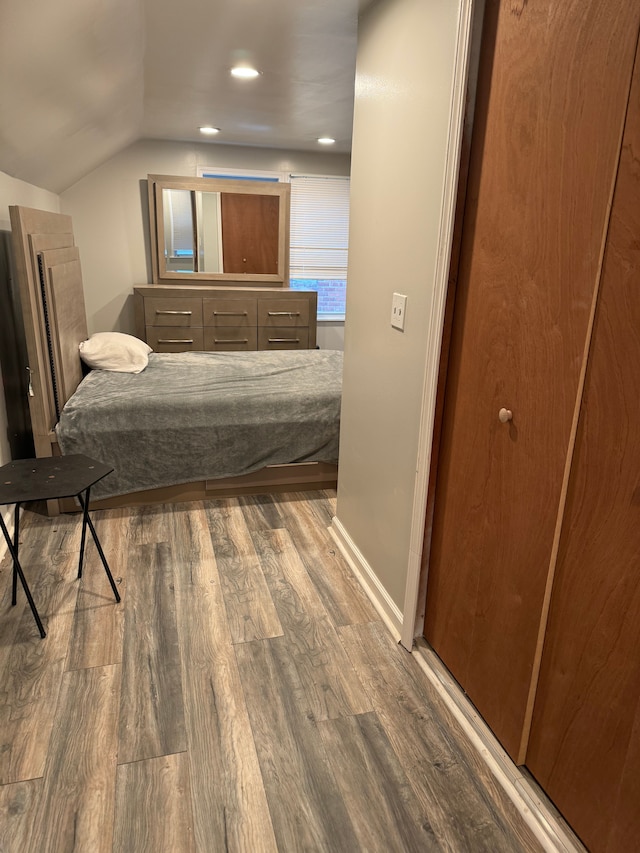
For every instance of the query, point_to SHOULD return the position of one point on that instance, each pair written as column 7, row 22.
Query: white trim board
column 388, row 611
column 549, row 827
column 436, row 315
column 553, row 833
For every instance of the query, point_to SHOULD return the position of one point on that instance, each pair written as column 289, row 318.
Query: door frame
column 468, row 38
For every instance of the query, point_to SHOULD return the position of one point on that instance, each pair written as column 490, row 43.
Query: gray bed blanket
column 196, row 416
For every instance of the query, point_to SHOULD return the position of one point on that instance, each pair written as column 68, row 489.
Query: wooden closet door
column 250, row 233
column 550, row 110
column 585, row 737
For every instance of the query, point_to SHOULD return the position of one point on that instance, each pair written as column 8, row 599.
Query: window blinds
column 319, row 236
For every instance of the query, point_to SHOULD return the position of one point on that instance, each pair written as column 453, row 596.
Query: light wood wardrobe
column 533, row 596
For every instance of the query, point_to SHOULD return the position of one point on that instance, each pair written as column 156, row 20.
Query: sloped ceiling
column 82, row 79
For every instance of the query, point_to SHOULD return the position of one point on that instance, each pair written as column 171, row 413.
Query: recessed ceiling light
column 244, row 72
column 326, row 140
column 209, row 131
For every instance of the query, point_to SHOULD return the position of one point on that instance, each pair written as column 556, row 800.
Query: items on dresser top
column 211, row 318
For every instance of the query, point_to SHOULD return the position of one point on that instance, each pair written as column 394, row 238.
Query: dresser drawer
column 174, row 339
column 215, row 318
column 184, row 312
column 230, row 338
column 283, row 337
column 283, row 312
column 230, row 312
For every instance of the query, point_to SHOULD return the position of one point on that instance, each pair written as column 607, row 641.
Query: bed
column 188, row 426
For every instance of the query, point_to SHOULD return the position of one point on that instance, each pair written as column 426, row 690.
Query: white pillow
column 115, row 351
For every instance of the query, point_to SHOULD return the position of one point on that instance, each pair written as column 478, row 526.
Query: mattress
column 195, row 416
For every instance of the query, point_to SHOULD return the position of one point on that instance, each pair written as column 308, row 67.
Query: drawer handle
column 233, row 341
column 283, row 313
column 229, row 313
column 284, row 340
column 175, row 341
column 183, row 313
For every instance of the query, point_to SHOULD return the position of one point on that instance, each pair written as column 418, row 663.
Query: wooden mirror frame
column 158, row 183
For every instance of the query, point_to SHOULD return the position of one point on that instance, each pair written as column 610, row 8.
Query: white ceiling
column 82, row 79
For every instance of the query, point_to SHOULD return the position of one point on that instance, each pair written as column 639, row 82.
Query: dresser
column 209, row 317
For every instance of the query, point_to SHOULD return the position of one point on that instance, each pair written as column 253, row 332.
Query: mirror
column 219, row 230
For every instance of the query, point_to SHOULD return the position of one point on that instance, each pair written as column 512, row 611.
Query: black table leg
column 17, row 568
column 86, row 522
column 16, row 540
column 85, row 517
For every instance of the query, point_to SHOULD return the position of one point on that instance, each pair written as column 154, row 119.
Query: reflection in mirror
column 209, row 229
column 178, row 230
column 219, row 229
column 192, row 231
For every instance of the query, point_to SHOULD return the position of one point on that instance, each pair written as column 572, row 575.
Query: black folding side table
column 45, row 479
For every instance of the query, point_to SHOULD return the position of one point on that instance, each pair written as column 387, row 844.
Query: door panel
column 541, row 176
column 585, row 737
column 250, row 233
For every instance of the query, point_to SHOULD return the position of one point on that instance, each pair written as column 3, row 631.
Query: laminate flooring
column 244, row 696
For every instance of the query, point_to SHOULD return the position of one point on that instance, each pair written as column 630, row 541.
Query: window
column 319, row 239
column 241, row 174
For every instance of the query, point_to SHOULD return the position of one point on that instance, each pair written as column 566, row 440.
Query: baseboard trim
column 386, row 608
column 548, row 825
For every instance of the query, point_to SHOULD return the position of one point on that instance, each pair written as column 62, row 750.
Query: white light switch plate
column 398, row 310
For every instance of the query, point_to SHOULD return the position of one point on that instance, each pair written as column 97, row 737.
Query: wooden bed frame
column 51, row 292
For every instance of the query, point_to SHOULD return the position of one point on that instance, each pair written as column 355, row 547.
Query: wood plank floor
column 243, row 696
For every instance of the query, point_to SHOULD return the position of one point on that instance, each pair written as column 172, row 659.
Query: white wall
column 330, row 334
column 108, row 208
column 13, row 192
column 404, row 84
